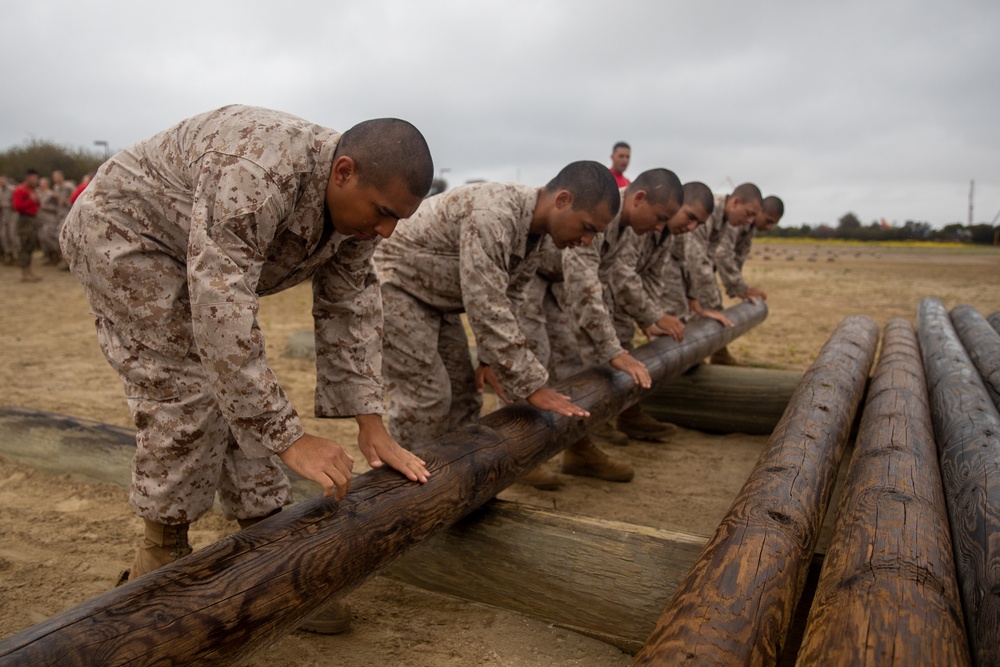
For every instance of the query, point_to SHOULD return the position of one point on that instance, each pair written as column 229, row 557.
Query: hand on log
column 321, row 461
column 552, row 401
column 717, row 316
column 486, row 376
column 668, row 325
column 379, row 447
column 629, row 364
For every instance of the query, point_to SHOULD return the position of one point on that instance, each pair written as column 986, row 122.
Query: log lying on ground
column 223, row 602
column 982, row 343
column 967, row 428
column 503, row 554
column 735, row 607
column 994, row 320
column 606, row 579
column 888, row 594
column 724, row 399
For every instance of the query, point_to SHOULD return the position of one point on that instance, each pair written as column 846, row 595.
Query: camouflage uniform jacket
column 734, row 247
column 469, row 250
column 697, row 253
column 659, row 275
column 193, row 225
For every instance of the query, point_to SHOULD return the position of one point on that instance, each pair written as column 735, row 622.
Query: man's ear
column 343, row 170
column 639, row 197
column 563, row 199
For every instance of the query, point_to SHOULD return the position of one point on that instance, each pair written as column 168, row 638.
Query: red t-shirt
column 620, row 179
column 76, row 193
column 23, row 200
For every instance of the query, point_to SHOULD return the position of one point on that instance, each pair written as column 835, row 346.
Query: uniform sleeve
column 627, row 285
column 584, row 298
column 484, row 255
column 699, row 271
column 729, row 263
column 665, row 286
column 235, row 214
column 347, row 310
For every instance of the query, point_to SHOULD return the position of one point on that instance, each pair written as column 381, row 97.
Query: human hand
column 485, row 375
column 640, row 374
column 671, row 326
column 381, row 448
column 753, row 295
column 552, row 401
column 717, row 316
column 321, row 461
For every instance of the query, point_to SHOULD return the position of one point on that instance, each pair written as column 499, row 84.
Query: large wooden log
column 724, row 399
column 231, row 598
column 967, row 428
column 994, row 320
column 982, row 343
column 887, row 594
column 736, row 605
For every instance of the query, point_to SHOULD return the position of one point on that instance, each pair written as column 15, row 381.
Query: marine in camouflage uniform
column 176, row 239
column 473, row 250
column 48, row 221
column 8, row 222
column 734, row 248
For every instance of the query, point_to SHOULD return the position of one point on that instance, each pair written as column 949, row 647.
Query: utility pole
column 972, row 189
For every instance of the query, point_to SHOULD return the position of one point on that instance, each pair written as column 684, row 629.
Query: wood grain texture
column 606, row 579
column 724, row 399
column 994, row 320
column 967, row 429
column 888, row 594
column 225, row 601
column 735, row 607
column 982, row 343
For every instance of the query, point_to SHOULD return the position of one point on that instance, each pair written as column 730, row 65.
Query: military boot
column 161, row 544
column 27, row 276
column 541, row 479
column 608, row 433
column 585, row 459
column 723, row 358
column 635, row 423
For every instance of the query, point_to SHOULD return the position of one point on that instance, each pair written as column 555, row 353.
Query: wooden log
column 504, row 554
column 982, row 343
column 994, row 320
column 225, row 601
column 605, row 579
column 736, row 605
column 724, row 399
column 888, row 594
column 967, row 429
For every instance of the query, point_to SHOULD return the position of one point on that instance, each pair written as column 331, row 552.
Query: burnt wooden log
column 736, row 605
column 982, row 343
column 967, row 429
column 724, row 399
column 225, row 601
column 887, row 594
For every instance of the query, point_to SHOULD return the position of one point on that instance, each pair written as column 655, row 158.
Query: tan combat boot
column 332, row 619
column 161, row 544
column 585, row 459
column 635, row 423
column 723, row 358
column 27, row 276
column 541, row 479
column 608, row 433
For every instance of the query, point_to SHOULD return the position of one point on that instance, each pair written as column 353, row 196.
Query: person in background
column 621, row 153
column 26, row 204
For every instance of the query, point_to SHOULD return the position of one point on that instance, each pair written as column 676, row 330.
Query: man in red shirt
column 620, row 155
column 80, row 188
column 25, row 202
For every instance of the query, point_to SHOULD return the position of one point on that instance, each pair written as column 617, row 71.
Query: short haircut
column 697, row 192
column 31, row 172
column 748, row 192
column 620, row 144
column 773, row 206
column 590, row 183
column 384, row 148
column 661, row 186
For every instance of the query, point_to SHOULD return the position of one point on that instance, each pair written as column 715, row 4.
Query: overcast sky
column 886, row 109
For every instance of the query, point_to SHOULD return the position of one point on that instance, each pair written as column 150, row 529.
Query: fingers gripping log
column 223, row 602
column 967, row 427
column 736, row 604
column 982, row 343
column 888, row 594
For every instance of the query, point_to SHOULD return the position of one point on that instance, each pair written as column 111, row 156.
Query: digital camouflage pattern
column 465, row 250
column 174, row 241
column 698, row 252
column 731, row 255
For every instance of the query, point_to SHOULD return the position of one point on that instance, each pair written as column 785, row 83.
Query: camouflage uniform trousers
column 27, row 238
column 565, row 343
column 48, row 235
column 427, row 366
column 8, row 231
column 185, row 452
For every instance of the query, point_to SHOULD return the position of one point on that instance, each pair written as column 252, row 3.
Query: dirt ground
column 64, row 540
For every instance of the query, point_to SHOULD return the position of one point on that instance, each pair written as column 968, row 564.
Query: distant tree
column 823, row 231
column 46, row 157
column 981, row 234
column 848, row 226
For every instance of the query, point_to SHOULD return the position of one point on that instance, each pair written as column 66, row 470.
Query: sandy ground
column 64, row 540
